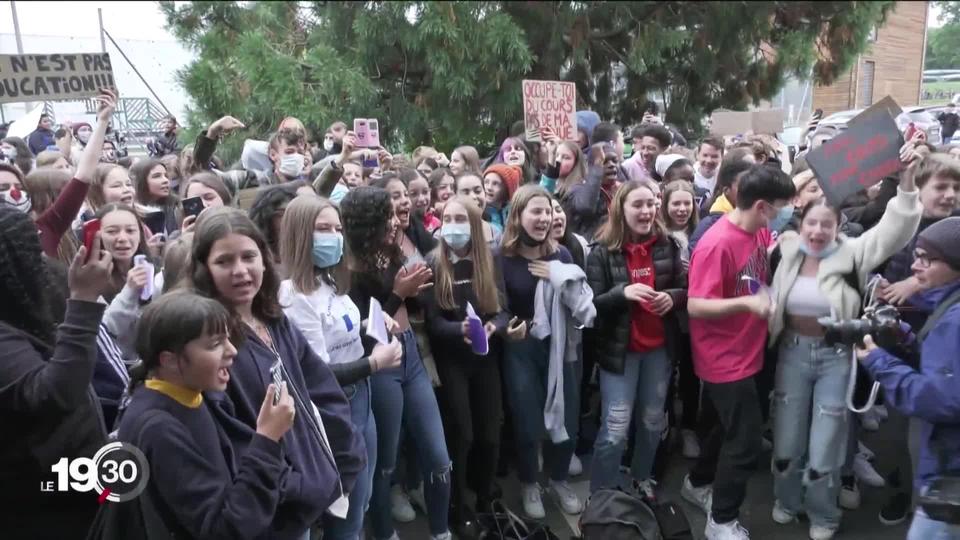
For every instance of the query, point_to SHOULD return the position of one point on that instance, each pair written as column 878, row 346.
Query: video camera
column 882, row 323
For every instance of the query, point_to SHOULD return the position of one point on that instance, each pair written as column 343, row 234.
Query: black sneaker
column 895, row 511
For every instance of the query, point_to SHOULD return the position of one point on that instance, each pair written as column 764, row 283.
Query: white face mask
column 328, row 144
column 291, row 165
column 83, row 135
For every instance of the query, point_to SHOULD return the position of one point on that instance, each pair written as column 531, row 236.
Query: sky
column 129, row 20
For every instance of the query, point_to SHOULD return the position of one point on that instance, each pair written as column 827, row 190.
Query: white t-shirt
column 330, row 321
column 706, row 182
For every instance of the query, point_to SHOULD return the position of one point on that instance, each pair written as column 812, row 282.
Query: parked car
column 837, row 122
column 792, row 137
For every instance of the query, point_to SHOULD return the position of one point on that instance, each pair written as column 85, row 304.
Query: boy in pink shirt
column 728, row 331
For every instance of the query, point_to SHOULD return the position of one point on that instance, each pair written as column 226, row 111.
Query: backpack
column 613, row 514
column 672, row 521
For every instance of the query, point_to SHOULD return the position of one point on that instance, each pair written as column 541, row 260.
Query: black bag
column 613, row 514
column 502, row 524
column 672, row 521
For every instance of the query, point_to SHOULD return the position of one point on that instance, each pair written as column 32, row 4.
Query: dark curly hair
column 24, row 280
column 267, row 203
column 216, row 224
column 366, row 213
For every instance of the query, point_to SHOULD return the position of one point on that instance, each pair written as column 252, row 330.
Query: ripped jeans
column 810, row 427
column 640, row 393
column 404, row 396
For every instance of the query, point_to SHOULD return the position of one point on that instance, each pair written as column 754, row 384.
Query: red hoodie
column 646, row 327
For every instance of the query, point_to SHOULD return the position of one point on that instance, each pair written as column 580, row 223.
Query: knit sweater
column 863, row 254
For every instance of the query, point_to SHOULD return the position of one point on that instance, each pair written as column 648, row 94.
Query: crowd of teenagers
column 551, row 301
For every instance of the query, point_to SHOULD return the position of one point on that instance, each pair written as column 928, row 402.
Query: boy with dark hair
column 728, row 330
column 286, row 151
column 709, row 154
column 606, row 132
column 649, row 141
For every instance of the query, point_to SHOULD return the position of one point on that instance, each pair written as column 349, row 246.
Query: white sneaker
column 865, row 472
column 532, row 502
column 445, row 536
column 576, row 466
column 701, row 497
column 725, row 531
column 870, row 421
column 819, row 532
column 850, row 495
column 568, row 499
column 691, row 445
column 647, row 489
column 882, row 413
column 781, row 515
column 400, row 505
column 417, row 498
column 867, row 453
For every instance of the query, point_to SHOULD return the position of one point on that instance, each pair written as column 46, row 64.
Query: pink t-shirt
column 729, row 348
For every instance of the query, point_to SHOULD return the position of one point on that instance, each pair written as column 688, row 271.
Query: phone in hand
column 275, row 372
column 367, row 131
column 90, row 230
column 910, row 131
column 191, row 207
column 154, row 221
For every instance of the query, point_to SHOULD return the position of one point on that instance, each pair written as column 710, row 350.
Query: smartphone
column 154, row 221
column 275, row 372
column 367, row 131
column 373, row 133
column 910, row 132
column 90, row 230
column 192, row 206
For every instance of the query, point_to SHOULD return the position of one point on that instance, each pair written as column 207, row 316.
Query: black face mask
column 530, row 241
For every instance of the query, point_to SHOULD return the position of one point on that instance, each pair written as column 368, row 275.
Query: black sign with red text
column 859, row 157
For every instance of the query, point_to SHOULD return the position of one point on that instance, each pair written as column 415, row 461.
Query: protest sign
column 887, row 104
column 50, row 77
column 550, row 104
column 859, row 157
column 768, row 121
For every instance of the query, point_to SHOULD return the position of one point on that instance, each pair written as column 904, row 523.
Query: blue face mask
column 781, row 219
column 456, row 235
column 831, row 248
column 327, row 249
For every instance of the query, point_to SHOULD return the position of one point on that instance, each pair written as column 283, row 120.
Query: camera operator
column 931, row 394
column 820, row 274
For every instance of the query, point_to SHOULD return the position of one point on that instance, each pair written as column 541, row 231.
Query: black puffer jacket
column 608, row 277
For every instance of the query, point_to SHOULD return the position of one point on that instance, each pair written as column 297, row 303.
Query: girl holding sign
column 315, row 298
column 463, row 316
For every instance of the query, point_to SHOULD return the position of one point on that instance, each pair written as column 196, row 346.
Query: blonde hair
column 936, row 165
column 675, row 187
column 614, row 231
column 471, row 158
column 511, row 229
column 48, row 157
column 296, row 246
column 176, row 257
column 484, row 273
column 577, row 174
column 44, row 186
column 95, row 197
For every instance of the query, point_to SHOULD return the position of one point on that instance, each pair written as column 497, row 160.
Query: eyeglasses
column 923, row 259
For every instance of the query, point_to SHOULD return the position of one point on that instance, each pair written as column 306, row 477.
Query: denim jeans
column 810, row 427
column 640, row 392
column 404, row 396
column 361, row 413
column 525, row 375
column 924, row 528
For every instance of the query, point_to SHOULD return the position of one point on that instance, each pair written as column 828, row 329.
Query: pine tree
column 448, row 73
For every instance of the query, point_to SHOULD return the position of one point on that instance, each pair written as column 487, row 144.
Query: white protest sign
column 50, row 77
column 550, row 104
column 376, row 323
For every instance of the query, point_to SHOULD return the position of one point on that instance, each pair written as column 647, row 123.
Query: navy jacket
column 202, row 487
column 309, row 485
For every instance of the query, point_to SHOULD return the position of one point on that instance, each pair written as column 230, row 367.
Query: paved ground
column 861, row 524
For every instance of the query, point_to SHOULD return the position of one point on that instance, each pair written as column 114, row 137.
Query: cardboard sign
column 886, row 104
column 245, row 197
column 859, row 157
column 49, row 77
column 768, row 121
column 550, row 104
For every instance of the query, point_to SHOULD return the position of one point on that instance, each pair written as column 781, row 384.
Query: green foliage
column 943, row 44
column 448, row 73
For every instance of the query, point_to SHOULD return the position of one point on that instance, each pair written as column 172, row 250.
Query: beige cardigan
column 894, row 231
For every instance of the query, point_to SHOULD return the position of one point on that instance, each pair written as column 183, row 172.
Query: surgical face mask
column 456, row 235
column 826, row 252
column 327, row 249
column 779, row 221
column 16, row 198
column 9, row 154
column 291, row 165
column 328, row 144
column 83, row 135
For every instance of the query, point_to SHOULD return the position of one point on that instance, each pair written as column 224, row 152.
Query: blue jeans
column 810, row 427
column 640, row 392
column 404, row 396
column 362, row 415
column 525, row 375
column 924, row 528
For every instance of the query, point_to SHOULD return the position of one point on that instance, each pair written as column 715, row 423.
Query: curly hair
column 24, row 280
column 266, row 205
column 216, row 224
column 366, row 213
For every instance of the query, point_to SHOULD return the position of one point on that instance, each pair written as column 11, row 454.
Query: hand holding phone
column 192, row 206
column 90, row 230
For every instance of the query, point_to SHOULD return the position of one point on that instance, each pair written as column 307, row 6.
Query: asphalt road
column 860, row 524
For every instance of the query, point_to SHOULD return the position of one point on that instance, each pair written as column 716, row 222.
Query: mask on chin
column 530, row 241
column 831, row 248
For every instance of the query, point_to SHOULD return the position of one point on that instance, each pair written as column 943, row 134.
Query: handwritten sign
column 47, row 77
column 550, row 104
column 859, row 157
